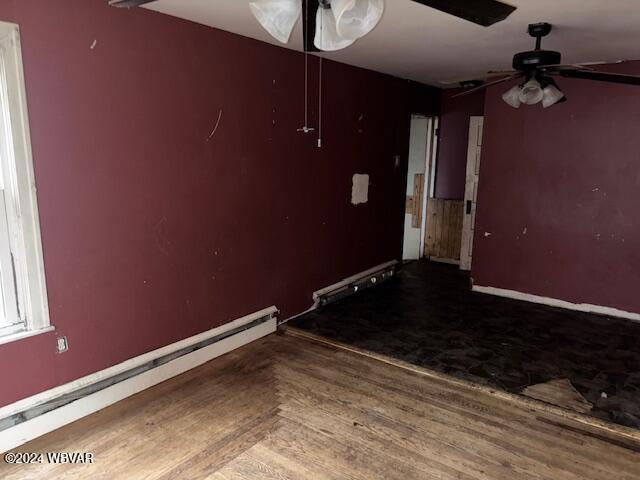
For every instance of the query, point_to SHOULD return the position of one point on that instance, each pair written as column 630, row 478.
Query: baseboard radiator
column 354, row 284
column 29, row 418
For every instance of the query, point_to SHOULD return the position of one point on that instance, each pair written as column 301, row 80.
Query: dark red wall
column 570, row 176
column 453, row 142
column 152, row 231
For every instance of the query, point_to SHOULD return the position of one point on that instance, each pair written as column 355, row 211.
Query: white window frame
column 16, row 164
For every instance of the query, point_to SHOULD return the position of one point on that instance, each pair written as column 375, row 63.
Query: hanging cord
column 320, row 104
column 306, row 89
column 320, row 83
column 306, row 128
column 306, row 69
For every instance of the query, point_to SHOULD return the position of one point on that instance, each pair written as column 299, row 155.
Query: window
column 23, row 296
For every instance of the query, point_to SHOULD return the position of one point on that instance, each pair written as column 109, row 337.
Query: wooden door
column 444, row 230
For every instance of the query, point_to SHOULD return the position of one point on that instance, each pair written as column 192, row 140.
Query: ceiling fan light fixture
column 278, row 17
column 327, row 38
column 531, row 92
column 512, row 96
column 551, row 95
column 356, row 18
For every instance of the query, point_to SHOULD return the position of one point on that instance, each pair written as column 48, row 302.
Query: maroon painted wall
column 568, row 176
column 451, row 167
column 152, row 231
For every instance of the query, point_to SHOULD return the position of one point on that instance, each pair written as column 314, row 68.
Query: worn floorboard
column 289, row 408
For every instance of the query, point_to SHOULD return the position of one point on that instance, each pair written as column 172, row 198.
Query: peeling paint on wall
column 360, row 189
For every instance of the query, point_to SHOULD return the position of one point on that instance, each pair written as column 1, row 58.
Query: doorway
column 420, row 183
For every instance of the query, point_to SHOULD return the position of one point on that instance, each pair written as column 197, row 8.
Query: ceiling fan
column 330, row 25
column 538, row 67
column 335, row 24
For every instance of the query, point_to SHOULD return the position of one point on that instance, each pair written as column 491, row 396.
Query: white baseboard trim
column 352, row 279
column 554, row 302
column 24, row 432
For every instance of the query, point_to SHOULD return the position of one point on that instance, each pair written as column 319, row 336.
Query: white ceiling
column 416, row 42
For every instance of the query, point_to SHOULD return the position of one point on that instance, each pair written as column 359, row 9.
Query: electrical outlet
column 62, row 344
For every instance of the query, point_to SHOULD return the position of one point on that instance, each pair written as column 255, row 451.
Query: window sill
column 12, row 337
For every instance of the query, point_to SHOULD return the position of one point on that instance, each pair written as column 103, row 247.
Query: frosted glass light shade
column 355, row 18
column 278, row 17
column 327, row 37
column 551, row 95
column 531, row 92
column 512, row 96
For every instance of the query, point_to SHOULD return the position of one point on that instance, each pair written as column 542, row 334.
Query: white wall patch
column 360, row 189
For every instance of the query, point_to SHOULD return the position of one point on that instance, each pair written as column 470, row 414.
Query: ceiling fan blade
column 309, row 12
column 479, row 78
column 598, row 76
column 500, row 72
column 485, row 85
column 574, row 66
column 482, row 12
column 128, row 3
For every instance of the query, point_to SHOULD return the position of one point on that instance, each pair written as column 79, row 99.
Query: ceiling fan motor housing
column 525, row 61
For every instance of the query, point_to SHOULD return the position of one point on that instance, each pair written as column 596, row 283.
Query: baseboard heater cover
column 554, row 302
column 32, row 417
column 354, row 284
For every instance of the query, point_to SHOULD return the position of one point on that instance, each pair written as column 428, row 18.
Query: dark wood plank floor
column 429, row 317
column 288, row 408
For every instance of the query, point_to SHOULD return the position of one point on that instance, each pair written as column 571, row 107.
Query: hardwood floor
column 289, row 408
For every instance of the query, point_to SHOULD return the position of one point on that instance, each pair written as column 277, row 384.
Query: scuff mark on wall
column 160, row 235
column 213, row 132
column 93, row 45
column 360, row 188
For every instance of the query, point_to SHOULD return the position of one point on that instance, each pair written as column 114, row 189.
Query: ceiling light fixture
column 531, row 92
column 339, row 23
column 356, row 18
column 534, row 91
column 552, row 94
column 278, row 17
column 327, row 37
column 512, row 96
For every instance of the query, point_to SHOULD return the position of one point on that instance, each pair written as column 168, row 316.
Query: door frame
column 430, row 175
column 474, row 151
column 416, row 201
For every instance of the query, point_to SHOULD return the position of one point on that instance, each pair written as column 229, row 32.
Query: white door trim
column 474, row 150
column 429, row 177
